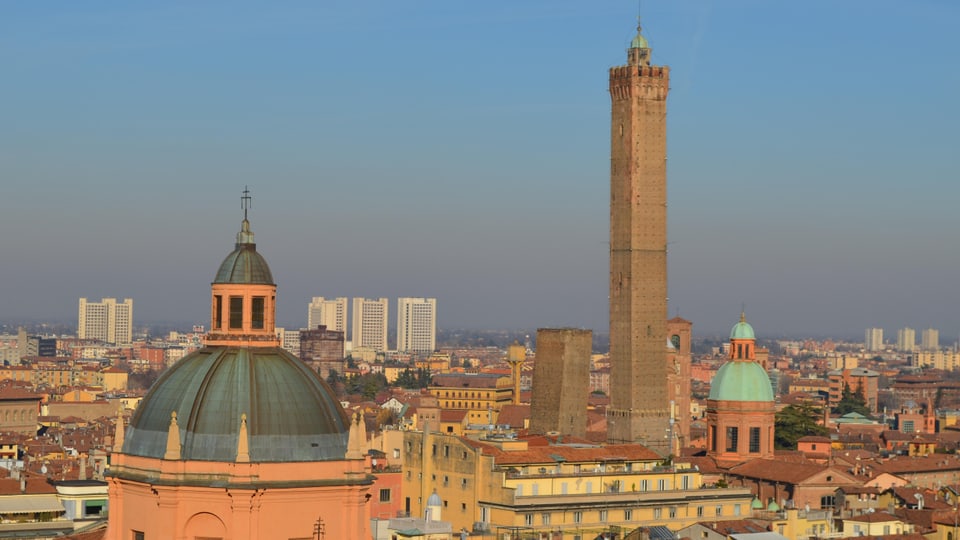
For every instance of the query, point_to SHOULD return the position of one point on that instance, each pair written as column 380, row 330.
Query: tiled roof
column 915, row 464
column 734, row 526
column 873, row 517
column 34, row 486
column 775, row 470
column 513, row 415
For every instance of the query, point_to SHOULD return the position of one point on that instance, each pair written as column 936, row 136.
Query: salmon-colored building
column 740, row 408
column 240, row 440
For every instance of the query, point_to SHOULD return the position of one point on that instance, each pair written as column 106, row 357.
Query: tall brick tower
column 639, row 409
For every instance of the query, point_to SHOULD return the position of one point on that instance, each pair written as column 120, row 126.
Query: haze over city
column 458, row 151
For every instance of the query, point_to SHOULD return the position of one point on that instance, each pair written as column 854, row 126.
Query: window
column 463, row 507
column 93, row 507
column 732, row 433
column 528, row 519
column 662, row 484
column 627, row 515
column 384, row 495
column 736, row 509
column 827, row 501
column 545, row 519
column 396, row 453
column 657, row 513
column 644, row 485
column 685, row 482
column 673, row 512
column 217, row 311
column 713, row 438
column 755, row 440
column 577, row 516
column 257, row 318
column 433, row 450
column 446, row 480
column 236, row 312
column 446, row 451
column 699, row 511
column 718, row 510
column 603, row 516
column 138, row 535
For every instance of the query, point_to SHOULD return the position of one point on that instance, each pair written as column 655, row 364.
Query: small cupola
column 243, row 303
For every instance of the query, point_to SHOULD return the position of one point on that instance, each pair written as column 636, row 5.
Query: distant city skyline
column 460, row 152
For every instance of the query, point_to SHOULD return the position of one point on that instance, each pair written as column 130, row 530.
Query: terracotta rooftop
column 775, row 470
column 34, row 486
column 873, row 517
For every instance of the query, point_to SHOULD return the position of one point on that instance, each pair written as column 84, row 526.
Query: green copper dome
column 291, row 414
column 639, row 42
column 742, row 330
column 741, row 381
column 244, row 265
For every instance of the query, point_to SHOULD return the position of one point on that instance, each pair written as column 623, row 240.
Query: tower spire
column 639, row 52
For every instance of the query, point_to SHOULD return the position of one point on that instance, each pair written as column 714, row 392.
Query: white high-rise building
column 930, row 339
column 416, row 324
column 107, row 320
column 906, row 339
column 369, row 329
column 331, row 313
column 874, row 339
column 289, row 340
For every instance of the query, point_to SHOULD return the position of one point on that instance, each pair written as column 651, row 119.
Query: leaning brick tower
column 639, row 410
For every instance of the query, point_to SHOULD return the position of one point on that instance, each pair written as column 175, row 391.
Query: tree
column 794, row 422
column 851, row 402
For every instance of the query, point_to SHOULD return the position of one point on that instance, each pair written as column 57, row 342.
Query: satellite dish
column 43, row 469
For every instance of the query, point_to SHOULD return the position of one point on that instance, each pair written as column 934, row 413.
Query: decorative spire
column 246, row 201
column 243, row 444
column 245, row 236
column 173, row 439
column 118, row 434
column 354, row 444
column 639, row 52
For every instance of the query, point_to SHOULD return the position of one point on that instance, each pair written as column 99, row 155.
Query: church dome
column 291, row 413
column 742, row 330
column 741, row 381
column 244, row 265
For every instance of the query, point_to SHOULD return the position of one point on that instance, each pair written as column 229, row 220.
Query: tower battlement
column 626, row 72
column 651, row 82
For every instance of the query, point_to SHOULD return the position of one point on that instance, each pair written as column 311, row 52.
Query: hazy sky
column 459, row 150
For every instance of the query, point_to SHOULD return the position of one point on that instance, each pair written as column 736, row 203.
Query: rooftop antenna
column 245, row 201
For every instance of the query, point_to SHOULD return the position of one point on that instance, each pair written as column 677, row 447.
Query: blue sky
column 460, row 151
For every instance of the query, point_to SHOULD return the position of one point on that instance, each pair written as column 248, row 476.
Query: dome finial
column 245, row 236
column 245, row 201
